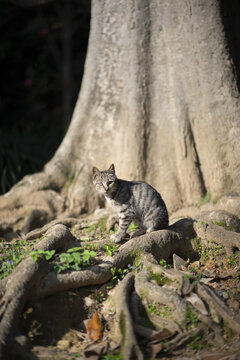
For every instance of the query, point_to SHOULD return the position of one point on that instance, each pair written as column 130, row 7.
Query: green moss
column 137, row 255
column 122, row 326
column 205, row 199
column 206, row 252
column 191, row 318
column 159, row 278
column 70, row 182
column 90, row 229
column 195, row 344
column 223, row 224
column 102, row 224
column 160, row 310
column 228, row 332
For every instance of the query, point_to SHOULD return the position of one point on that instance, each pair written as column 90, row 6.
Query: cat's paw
column 116, row 238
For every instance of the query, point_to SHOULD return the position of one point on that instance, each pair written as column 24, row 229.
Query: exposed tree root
column 34, row 234
column 229, row 239
column 218, row 306
column 129, row 344
column 31, row 280
column 159, row 294
column 93, row 275
column 15, row 289
column 161, row 243
column 185, row 338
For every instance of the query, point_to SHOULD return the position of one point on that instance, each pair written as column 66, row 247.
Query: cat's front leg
column 124, row 222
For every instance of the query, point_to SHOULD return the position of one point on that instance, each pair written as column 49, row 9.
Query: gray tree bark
column 159, row 99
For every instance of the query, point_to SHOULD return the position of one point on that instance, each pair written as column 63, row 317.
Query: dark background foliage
column 42, row 55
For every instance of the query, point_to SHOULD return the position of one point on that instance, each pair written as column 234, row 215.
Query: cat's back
column 139, row 192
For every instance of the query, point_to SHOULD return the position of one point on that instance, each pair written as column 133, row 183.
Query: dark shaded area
column 47, row 320
column 42, row 55
column 230, row 12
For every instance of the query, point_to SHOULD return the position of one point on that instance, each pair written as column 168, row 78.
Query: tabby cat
column 133, row 200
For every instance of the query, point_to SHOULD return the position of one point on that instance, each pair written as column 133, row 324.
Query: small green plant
column 164, row 264
column 110, row 248
column 153, row 308
column 133, row 227
column 135, row 266
column 48, row 254
column 232, row 261
column 73, row 231
column 156, row 309
column 101, row 296
column 195, row 344
column 90, row 229
column 15, row 252
column 205, row 199
column 118, row 274
column 165, row 311
column 228, row 332
column 159, row 278
column 191, row 317
column 92, row 246
column 206, row 252
column 113, row 232
column 73, row 259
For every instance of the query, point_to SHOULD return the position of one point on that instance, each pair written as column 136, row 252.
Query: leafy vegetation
column 164, row 264
column 133, row 227
column 207, row 252
column 232, row 261
column 111, row 247
column 74, row 259
column 223, row 224
column 195, row 344
column 48, row 254
column 14, row 253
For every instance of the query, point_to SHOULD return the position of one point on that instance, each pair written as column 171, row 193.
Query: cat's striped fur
column 133, row 200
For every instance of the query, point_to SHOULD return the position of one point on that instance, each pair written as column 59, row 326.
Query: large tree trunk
column 158, row 99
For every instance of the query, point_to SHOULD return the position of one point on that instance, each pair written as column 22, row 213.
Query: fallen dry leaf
column 95, row 328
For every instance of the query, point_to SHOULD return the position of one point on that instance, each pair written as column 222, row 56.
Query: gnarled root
column 217, row 306
column 129, row 342
column 16, row 288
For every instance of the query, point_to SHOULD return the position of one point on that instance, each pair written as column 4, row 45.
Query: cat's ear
column 112, row 169
column 95, row 172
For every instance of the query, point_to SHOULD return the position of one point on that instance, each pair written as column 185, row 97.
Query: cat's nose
column 105, row 188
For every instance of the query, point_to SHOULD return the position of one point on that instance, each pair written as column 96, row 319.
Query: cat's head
column 105, row 181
